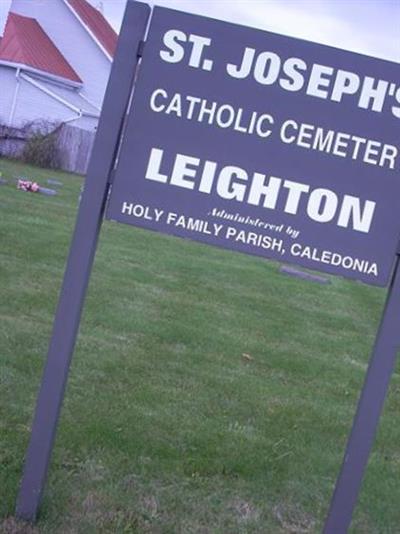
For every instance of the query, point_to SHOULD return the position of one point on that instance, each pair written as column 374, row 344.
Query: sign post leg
column 368, row 412
column 80, row 260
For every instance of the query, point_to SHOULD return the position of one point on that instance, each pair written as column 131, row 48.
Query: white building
column 55, row 60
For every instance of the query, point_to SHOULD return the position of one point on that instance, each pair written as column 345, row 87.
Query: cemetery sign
column 251, row 141
column 264, row 144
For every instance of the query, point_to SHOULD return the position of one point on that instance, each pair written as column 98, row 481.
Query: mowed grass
column 208, row 392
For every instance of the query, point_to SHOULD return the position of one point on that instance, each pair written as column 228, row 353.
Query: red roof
column 96, row 23
column 25, row 42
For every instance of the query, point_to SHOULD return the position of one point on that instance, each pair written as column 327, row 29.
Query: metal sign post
column 368, row 412
column 80, row 260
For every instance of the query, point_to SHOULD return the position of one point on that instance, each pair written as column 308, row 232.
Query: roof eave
column 45, row 74
column 92, row 35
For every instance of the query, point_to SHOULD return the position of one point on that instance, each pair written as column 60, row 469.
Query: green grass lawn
column 166, row 426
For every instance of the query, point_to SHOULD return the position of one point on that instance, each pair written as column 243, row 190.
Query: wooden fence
column 12, row 142
column 74, row 146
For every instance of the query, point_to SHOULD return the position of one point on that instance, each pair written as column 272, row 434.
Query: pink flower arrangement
column 27, row 185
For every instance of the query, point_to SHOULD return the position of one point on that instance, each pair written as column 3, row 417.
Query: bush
column 41, row 148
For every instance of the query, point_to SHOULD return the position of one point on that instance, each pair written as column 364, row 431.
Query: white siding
column 34, row 105
column 8, row 83
column 86, row 123
column 4, row 8
column 73, row 41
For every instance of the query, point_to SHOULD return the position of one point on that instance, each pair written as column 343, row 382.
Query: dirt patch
column 245, row 511
column 294, row 520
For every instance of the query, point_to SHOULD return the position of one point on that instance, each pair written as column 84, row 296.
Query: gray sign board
column 264, row 144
